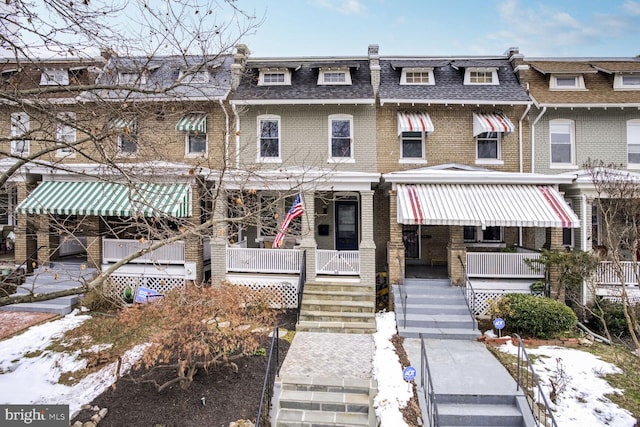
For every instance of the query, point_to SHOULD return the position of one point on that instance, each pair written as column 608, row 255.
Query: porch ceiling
column 484, row 205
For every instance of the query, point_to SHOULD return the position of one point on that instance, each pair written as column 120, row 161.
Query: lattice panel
column 286, row 291
column 117, row 284
column 484, row 298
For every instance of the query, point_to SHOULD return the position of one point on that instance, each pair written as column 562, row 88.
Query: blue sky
column 454, row 27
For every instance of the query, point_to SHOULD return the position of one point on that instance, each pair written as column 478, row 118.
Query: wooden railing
column 606, row 273
column 502, row 264
column 337, row 262
column 256, row 260
column 113, row 250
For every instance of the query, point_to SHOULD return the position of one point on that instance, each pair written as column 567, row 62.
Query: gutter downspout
column 226, row 133
column 533, row 139
column 236, row 118
column 521, row 160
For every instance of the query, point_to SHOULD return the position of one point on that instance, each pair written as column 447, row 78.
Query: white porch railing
column 606, row 274
column 502, row 264
column 113, row 250
column 257, row 260
column 337, row 262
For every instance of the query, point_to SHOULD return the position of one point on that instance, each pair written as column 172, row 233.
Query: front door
column 346, row 225
column 411, row 241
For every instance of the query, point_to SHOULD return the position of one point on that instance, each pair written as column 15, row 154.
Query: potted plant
column 538, row 287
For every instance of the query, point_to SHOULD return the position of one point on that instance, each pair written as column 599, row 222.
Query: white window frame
column 572, row 143
column 193, row 77
column 423, row 138
column 54, row 77
column 578, row 80
column 127, row 78
column 20, row 125
column 479, row 240
column 345, row 159
column 260, row 120
column 570, row 230
column 189, row 153
column 468, row 78
column 65, row 134
column 633, row 140
column 489, row 160
column 619, row 81
column 131, row 136
column 326, row 72
column 428, row 72
column 285, row 72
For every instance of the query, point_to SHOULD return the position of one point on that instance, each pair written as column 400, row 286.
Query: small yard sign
column 409, row 373
column 144, row 295
column 499, row 323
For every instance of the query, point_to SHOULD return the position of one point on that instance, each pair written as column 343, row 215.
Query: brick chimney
column 239, row 60
column 374, row 67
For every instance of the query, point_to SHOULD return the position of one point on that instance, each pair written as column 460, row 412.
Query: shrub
column 534, row 316
column 614, row 317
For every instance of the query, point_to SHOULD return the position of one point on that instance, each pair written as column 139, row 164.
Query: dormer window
column 566, row 82
column 627, row 81
column 54, row 77
column 481, row 76
column 131, row 78
column 417, row 76
column 331, row 76
column 199, row 76
column 274, row 77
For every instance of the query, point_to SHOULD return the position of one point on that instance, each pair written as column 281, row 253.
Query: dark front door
column 411, row 243
column 346, row 225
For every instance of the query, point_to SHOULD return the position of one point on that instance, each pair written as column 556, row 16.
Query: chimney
column 239, row 60
column 374, row 67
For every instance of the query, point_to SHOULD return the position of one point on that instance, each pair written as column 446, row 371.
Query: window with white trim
column 562, row 141
column 276, row 77
column 340, row 136
column 268, row 138
column 417, row 76
column 132, row 78
column 481, row 76
column 54, row 77
column 66, row 134
column 412, row 145
column 198, row 76
column 473, row 234
column 633, row 142
column 127, row 142
column 566, row 82
column 488, row 146
column 20, row 124
column 273, row 210
column 196, row 143
column 626, row 81
column 334, row 77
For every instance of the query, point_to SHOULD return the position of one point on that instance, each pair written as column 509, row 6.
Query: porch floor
column 421, row 270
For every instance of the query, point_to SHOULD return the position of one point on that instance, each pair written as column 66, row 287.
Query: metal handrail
column 23, row 264
column 469, row 293
column 527, row 380
column 302, row 278
column 262, row 419
column 403, row 293
column 427, row 387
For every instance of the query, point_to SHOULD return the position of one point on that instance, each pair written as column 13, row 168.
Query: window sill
column 489, row 162
column 562, row 166
column 269, row 160
column 126, row 155
column 341, row 160
column 194, row 155
column 633, row 165
column 413, row 161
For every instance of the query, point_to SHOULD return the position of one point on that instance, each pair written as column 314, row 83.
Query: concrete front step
column 50, row 306
column 337, row 327
column 439, row 333
column 435, row 308
column 469, row 414
column 339, row 287
column 298, row 418
column 340, row 316
column 443, row 321
column 309, row 304
column 325, row 401
column 339, row 295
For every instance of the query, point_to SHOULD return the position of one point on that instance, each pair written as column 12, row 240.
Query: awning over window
column 193, row 122
column 108, row 199
column 414, row 122
column 485, row 205
column 491, row 122
column 125, row 124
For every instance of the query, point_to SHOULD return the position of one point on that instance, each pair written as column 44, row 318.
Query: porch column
column 26, row 243
column 93, row 230
column 308, row 242
column 48, row 240
column 219, row 240
column 193, row 255
column 554, row 240
column 395, row 246
column 455, row 249
column 367, row 245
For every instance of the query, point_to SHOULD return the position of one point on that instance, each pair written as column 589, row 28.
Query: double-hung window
column 481, row 76
column 626, row 81
column 66, row 134
column 20, row 124
column 633, row 143
column 269, row 138
column 473, row 234
column 194, row 125
column 274, row 77
column 196, row 142
column 330, row 76
column 488, row 146
column 412, row 146
column 127, row 141
column 562, row 140
column 340, row 137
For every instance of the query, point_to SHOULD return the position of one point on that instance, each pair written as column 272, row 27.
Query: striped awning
column 485, row 205
column 193, row 122
column 126, row 124
column 491, row 122
column 414, row 122
column 108, row 199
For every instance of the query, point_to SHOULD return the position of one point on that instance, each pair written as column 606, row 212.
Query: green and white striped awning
column 127, row 124
column 108, row 199
column 193, row 122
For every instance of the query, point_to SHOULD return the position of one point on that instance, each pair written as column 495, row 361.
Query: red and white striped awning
column 485, row 205
column 414, row 122
column 491, row 122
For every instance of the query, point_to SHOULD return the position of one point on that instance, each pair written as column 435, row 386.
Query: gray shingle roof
column 449, row 82
column 304, row 82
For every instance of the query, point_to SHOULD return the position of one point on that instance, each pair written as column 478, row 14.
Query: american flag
column 297, row 209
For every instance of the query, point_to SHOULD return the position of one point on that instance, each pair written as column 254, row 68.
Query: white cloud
column 632, row 8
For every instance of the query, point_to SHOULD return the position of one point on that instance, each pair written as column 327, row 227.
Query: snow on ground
column 583, row 402
column 30, row 373
column 393, row 391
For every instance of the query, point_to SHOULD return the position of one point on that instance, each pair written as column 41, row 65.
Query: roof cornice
column 341, row 101
column 451, row 101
